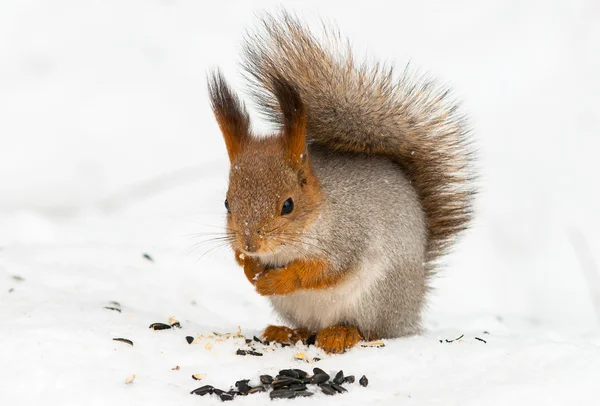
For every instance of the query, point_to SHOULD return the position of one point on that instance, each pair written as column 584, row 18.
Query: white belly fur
column 316, row 309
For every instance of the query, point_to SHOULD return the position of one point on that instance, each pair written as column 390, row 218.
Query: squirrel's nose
column 251, row 241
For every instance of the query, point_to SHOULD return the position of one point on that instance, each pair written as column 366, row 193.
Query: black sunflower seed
column 349, row 379
column 339, row 378
column 316, row 359
column 116, row 309
column 243, row 386
column 159, row 326
column 318, row 371
column 301, row 374
column 284, row 382
column 203, row 390
column 123, row 340
column 363, row 381
column 176, row 325
column 189, row 339
column 256, row 354
column 303, row 393
column 258, row 340
column 240, row 352
column 311, row 340
column 266, row 379
column 226, row 396
column 338, row 388
column 248, row 340
column 289, row 372
column 257, row 389
column 282, row 394
column 327, row 389
column 319, row 378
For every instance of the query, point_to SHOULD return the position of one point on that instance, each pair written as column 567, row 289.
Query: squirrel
column 341, row 215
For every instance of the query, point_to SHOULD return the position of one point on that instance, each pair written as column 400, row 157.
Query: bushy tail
column 362, row 108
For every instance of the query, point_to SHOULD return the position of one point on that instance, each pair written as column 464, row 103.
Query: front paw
column 276, row 282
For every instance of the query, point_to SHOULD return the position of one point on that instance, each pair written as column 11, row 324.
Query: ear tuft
column 294, row 120
column 230, row 113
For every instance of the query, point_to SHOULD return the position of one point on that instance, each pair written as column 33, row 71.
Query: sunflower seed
column 363, row 381
column 327, row 389
column 289, row 372
column 203, row 390
column 319, row 378
column 301, row 374
column 349, row 379
column 159, row 326
column 266, row 379
column 282, row 394
column 226, row 396
column 257, row 389
column 339, row 378
column 318, row 371
column 189, row 339
column 123, row 340
column 338, row 388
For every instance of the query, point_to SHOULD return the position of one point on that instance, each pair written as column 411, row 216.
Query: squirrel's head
column 273, row 195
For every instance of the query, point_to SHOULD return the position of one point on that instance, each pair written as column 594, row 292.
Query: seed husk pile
column 288, row 384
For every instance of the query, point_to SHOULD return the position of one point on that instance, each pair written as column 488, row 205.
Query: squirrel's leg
column 337, row 339
column 300, row 274
column 285, row 335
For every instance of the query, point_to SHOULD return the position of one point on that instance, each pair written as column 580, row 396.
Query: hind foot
column 285, row 335
column 337, row 339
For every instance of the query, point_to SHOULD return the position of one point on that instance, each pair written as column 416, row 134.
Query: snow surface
column 109, row 150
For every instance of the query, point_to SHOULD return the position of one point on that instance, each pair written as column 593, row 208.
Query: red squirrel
column 340, row 215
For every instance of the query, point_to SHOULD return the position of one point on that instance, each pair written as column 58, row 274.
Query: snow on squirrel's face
column 269, row 202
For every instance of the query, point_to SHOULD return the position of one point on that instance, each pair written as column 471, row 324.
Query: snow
column 109, row 151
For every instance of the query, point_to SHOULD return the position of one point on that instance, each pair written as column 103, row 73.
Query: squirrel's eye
column 288, row 206
column 227, row 206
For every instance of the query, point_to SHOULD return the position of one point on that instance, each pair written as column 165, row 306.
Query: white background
column 108, row 149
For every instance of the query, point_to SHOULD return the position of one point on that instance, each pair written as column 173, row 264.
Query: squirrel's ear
column 294, row 120
column 230, row 114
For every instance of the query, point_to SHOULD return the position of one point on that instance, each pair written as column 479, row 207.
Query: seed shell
column 289, row 372
column 266, row 379
column 301, row 374
column 363, row 381
column 282, row 394
column 339, row 378
column 338, row 388
column 189, row 339
column 159, row 326
column 319, row 378
column 123, row 340
column 327, row 389
column 203, row 390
